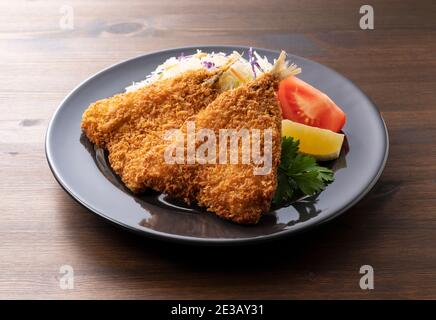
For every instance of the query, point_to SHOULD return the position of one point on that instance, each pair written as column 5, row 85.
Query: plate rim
column 169, row 237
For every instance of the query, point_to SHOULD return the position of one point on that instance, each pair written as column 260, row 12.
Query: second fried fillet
column 232, row 191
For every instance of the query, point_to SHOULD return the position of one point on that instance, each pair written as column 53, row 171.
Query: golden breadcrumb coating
column 160, row 105
column 232, row 191
column 122, row 123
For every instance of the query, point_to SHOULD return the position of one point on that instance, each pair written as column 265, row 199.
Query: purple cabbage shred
column 253, row 62
column 208, row 64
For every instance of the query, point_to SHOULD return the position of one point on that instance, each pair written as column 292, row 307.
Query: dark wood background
column 393, row 228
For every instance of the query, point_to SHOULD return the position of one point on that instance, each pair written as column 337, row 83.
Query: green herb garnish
column 298, row 174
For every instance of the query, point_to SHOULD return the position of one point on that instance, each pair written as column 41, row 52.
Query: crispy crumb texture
column 131, row 127
column 122, row 123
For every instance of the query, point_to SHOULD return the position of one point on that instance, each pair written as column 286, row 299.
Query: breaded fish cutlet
column 121, row 123
column 231, row 191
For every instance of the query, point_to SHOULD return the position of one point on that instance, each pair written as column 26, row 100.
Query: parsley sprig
column 298, row 174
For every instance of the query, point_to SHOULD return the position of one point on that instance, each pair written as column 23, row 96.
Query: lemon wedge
column 320, row 143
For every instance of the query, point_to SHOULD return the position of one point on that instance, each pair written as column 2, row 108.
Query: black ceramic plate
column 84, row 173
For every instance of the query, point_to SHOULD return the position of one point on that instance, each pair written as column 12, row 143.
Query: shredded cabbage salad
column 240, row 72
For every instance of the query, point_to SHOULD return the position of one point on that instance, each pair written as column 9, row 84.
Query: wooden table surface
column 393, row 228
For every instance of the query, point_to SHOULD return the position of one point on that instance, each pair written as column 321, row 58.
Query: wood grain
column 392, row 229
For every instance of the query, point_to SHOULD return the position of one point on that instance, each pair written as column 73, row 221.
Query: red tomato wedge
column 305, row 104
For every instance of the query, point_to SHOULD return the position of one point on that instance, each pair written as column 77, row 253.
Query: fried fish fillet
column 232, row 191
column 122, row 123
